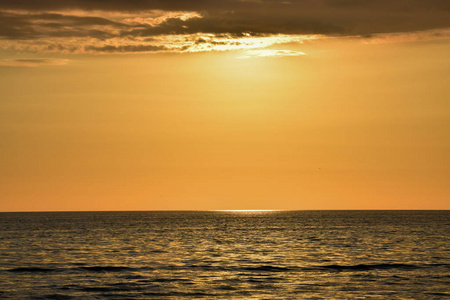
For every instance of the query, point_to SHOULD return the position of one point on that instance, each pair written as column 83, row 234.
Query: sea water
column 225, row 255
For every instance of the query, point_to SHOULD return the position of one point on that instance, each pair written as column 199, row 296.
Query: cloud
column 78, row 26
column 176, row 43
column 160, row 17
column 271, row 53
column 313, row 7
column 403, row 37
column 26, row 26
column 246, row 41
column 33, row 62
column 124, row 48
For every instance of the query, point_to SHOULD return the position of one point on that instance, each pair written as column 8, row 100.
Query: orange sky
column 281, row 122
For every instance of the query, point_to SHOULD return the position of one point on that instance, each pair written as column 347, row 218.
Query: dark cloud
column 31, row 20
column 238, row 24
column 269, row 16
column 124, row 48
column 33, row 26
column 33, row 62
column 129, row 5
column 228, row 5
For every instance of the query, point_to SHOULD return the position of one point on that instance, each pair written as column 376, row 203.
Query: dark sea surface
column 225, row 255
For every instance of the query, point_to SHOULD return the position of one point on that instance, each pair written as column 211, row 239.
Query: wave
column 444, row 294
column 211, row 268
column 169, row 280
column 369, row 267
column 84, row 269
column 107, row 268
column 267, row 268
column 31, row 270
column 177, row 294
column 112, row 288
column 55, row 297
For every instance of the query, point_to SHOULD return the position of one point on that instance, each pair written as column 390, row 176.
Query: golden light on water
column 250, row 211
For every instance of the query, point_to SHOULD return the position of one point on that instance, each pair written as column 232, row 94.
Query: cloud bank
column 106, row 26
column 33, row 62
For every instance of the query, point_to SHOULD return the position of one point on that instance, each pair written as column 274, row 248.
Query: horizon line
column 217, row 210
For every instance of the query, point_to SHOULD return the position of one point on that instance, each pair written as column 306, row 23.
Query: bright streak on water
column 247, row 210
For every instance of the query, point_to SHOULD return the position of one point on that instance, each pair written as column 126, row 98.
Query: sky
column 231, row 104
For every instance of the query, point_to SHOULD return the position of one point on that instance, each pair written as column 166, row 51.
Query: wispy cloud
column 159, row 17
column 402, row 37
column 176, row 43
column 33, row 62
column 271, row 53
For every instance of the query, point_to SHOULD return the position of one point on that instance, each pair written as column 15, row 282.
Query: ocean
column 225, row 255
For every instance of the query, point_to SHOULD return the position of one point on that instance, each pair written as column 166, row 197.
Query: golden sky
column 194, row 105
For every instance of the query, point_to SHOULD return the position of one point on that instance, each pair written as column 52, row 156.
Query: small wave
column 57, row 297
column 97, row 289
column 117, row 287
column 133, row 276
column 368, row 267
column 226, row 288
column 111, row 289
column 264, row 279
column 106, row 269
column 31, row 270
column 178, row 294
column 158, row 251
column 169, row 280
column 77, row 269
column 266, row 268
column 444, row 294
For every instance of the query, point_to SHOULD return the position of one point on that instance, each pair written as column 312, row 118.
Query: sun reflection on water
column 249, row 211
